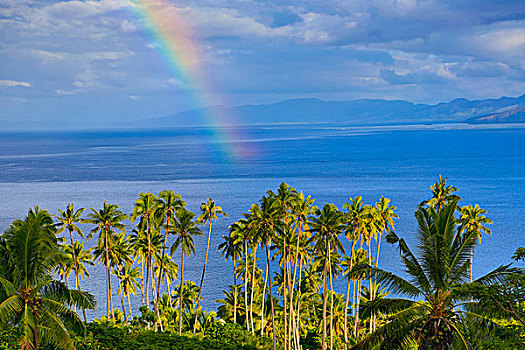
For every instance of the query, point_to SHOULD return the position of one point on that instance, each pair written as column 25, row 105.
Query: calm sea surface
column 331, row 163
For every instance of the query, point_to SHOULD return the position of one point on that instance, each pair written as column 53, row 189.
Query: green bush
column 105, row 336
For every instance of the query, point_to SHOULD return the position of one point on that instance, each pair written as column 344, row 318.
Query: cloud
column 14, row 83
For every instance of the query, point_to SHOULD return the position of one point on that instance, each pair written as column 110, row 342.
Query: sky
column 63, row 61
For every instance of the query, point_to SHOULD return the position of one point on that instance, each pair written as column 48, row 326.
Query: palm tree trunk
column 348, row 296
column 290, row 294
column 296, row 260
column 298, row 327
column 161, row 271
column 234, row 292
column 284, row 293
column 246, row 268
column 324, row 303
column 107, row 275
column 148, row 265
column 263, row 299
column 180, row 293
column 375, row 276
column 122, row 302
column 471, row 258
column 358, row 299
column 370, row 282
column 271, row 293
column 202, row 280
column 331, row 299
column 254, row 269
column 130, row 311
column 142, row 281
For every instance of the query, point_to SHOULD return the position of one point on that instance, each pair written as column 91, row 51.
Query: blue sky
column 94, row 60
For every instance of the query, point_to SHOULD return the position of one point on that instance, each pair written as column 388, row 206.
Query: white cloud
column 13, row 83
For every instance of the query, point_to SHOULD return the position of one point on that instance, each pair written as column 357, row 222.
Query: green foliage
column 106, row 336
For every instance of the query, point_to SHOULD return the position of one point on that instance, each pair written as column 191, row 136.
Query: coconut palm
column 29, row 297
column 68, row 219
column 436, row 272
column 144, row 208
column 167, row 203
column 78, row 257
column 188, row 297
column 128, row 282
column 326, row 228
column 441, row 194
column 210, row 213
column 472, row 221
column 286, row 197
column 352, row 222
column 231, row 248
column 265, row 221
column 184, row 227
column 106, row 220
column 303, row 207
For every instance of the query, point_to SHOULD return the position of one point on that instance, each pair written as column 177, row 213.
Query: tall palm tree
column 326, row 228
column 436, row 272
column 441, row 194
column 210, row 213
column 266, row 220
column 167, row 203
column 68, row 219
column 286, row 197
column 231, row 248
column 144, row 208
column 472, row 220
column 184, row 227
column 128, row 282
column 303, row 208
column 78, row 257
column 352, row 222
column 106, row 220
column 385, row 221
column 29, row 297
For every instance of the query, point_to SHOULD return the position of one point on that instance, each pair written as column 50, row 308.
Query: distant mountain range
column 515, row 115
column 311, row 110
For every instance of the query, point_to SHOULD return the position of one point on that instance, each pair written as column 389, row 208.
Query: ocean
column 329, row 162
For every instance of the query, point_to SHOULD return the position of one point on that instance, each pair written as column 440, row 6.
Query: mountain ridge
column 361, row 111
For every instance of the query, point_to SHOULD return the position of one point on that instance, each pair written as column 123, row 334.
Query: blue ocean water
column 329, row 162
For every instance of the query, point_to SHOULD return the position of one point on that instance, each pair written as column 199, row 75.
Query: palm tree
column 231, row 248
column 265, row 220
column 106, row 220
column 68, row 219
column 472, row 221
column 144, row 208
column 352, row 233
column 167, row 203
column 78, row 258
column 184, row 227
column 385, row 221
column 285, row 196
column 209, row 214
column 120, row 255
column 128, row 282
column 436, row 273
column 441, row 194
column 326, row 229
column 190, row 294
column 29, row 297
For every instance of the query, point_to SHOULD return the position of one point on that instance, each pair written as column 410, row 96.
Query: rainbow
column 178, row 46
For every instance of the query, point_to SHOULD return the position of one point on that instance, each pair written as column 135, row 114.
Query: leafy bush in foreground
column 226, row 336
